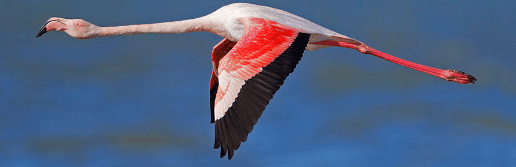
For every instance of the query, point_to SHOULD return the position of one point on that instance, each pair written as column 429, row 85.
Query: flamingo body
column 229, row 15
column 261, row 47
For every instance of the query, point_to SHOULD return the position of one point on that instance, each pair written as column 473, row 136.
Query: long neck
column 185, row 26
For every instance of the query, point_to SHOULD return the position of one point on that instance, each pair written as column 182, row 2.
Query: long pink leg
column 449, row 75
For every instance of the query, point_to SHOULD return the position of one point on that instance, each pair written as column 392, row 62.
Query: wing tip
column 225, row 150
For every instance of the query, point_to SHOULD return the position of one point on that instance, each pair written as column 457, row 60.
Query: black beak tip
column 41, row 31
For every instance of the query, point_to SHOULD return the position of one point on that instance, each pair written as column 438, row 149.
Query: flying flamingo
column 261, row 47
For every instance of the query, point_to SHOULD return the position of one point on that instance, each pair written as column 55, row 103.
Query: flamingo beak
column 41, row 31
column 44, row 28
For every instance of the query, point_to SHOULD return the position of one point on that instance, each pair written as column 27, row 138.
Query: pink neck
column 185, row 26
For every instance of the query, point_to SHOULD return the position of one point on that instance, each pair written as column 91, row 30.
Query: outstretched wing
column 249, row 75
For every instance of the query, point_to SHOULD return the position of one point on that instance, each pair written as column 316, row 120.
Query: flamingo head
column 76, row 28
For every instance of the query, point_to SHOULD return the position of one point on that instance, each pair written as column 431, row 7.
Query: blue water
column 143, row 100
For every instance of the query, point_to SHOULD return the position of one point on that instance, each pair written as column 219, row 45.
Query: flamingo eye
column 77, row 24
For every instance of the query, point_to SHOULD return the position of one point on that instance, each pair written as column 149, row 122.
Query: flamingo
column 261, row 47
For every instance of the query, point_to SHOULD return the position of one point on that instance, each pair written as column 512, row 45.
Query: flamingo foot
column 458, row 76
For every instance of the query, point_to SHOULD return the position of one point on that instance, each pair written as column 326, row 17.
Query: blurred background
column 143, row 100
